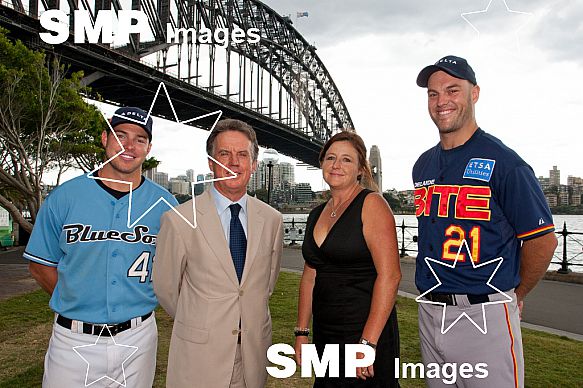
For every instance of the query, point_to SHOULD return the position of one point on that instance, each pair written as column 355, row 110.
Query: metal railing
column 405, row 242
column 294, row 231
column 407, row 236
column 565, row 260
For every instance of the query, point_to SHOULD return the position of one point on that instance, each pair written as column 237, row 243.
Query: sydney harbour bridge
column 278, row 84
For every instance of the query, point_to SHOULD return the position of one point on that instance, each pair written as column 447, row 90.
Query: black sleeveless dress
column 345, row 276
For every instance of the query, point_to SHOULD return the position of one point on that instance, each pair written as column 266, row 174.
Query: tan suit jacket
column 196, row 283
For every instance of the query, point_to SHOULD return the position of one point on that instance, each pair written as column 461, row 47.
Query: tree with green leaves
column 393, row 201
column 261, row 194
column 44, row 125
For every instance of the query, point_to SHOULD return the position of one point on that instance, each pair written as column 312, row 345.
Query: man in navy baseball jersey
column 97, row 269
column 476, row 201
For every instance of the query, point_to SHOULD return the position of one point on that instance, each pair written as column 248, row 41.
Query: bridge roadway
column 552, row 306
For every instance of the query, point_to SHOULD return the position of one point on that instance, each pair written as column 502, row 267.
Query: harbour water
column 574, row 223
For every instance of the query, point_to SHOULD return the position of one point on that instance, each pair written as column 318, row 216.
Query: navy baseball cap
column 133, row 116
column 455, row 66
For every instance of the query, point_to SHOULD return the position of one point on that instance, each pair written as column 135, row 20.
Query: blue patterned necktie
column 237, row 240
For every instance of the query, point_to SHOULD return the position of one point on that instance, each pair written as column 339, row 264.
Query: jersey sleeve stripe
column 536, row 231
column 39, row 260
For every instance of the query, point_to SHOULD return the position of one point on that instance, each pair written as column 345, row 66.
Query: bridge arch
column 279, row 83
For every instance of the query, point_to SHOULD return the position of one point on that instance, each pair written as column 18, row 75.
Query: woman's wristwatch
column 364, row 341
column 302, row 331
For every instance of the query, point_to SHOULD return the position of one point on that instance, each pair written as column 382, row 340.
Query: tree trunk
column 16, row 214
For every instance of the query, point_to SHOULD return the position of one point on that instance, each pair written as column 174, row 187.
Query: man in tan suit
column 216, row 280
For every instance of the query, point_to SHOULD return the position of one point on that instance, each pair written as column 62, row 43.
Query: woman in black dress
column 352, row 272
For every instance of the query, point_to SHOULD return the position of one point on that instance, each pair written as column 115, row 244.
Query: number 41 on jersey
column 140, row 268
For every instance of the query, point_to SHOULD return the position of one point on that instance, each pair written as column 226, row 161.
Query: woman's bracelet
column 302, row 331
column 364, row 341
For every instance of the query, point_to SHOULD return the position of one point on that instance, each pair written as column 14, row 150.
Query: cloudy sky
column 527, row 55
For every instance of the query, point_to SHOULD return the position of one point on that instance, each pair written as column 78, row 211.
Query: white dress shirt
column 222, row 203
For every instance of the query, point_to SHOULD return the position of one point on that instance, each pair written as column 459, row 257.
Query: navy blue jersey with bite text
column 481, row 193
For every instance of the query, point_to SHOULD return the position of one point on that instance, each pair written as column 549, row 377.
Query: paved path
column 14, row 276
column 552, row 306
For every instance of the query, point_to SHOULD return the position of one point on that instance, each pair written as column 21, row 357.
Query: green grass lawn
column 26, row 321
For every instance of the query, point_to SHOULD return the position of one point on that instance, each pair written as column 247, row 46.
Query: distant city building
column 199, row 189
column 286, row 192
column 575, row 198
column 551, row 199
column 282, row 179
column 574, row 181
column 275, row 175
column 262, row 180
column 161, row 178
column 179, row 186
column 545, row 183
column 150, row 173
column 557, row 194
column 208, row 177
column 303, row 193
column 374, row 160
column 286, row 172
column 190, row 175
column 555, row 177
column 563, row 195
column 257, row 180
column 576, row 186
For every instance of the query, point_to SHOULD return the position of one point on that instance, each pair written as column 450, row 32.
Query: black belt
column 449, row 299
column 89, row 328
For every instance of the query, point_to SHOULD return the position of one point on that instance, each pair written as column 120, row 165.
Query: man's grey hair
column 233, row 125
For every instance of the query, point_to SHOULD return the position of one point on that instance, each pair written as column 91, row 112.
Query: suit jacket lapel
column 255, row 221
column 212, row 230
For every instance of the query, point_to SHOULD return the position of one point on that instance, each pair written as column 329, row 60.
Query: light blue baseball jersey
column 104, row 268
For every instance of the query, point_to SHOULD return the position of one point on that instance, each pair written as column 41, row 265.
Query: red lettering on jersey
column 445, row 192
column 423, row 197
column 420, row 198
column 473, row 202
column 428, row 201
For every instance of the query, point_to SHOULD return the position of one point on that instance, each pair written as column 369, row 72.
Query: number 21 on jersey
column 456, row 235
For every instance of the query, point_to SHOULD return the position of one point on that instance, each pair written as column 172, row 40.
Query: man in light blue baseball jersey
column 96, row 266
